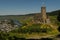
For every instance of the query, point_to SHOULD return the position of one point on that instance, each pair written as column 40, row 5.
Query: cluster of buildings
column 7, row 25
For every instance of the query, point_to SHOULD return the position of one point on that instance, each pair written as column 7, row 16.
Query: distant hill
column 54, row 13
column 48, row 13
column 31, row 14
column 21, row 17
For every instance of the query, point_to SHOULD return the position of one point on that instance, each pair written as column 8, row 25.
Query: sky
column 21, row 7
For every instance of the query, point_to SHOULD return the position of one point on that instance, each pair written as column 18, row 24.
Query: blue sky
column 21, row 7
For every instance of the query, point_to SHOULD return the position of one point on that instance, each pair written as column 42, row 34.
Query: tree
column 58, row 17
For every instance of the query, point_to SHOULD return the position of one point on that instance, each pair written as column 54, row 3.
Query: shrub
column 44, row 28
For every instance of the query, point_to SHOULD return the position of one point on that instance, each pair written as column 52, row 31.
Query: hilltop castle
column 43, row 18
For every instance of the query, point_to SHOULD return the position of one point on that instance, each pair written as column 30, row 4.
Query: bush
column 59, row 28
column 58, row 17
column 37, row 28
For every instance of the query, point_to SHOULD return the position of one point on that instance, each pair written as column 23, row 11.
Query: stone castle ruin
column 42, row 18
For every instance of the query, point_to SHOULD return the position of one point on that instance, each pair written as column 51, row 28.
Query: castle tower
column 43, row 14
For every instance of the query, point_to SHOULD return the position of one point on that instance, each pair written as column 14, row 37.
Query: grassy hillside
column 31, row 30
